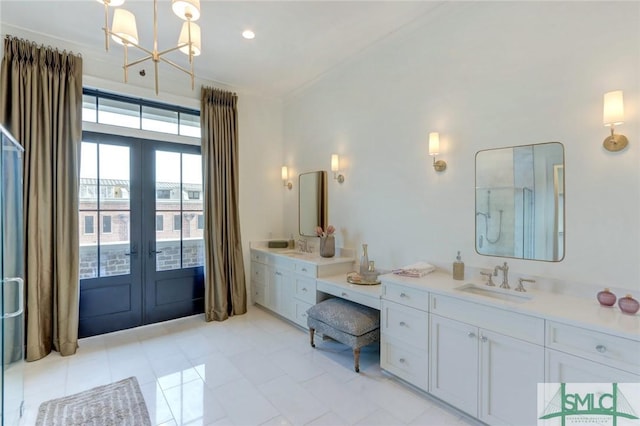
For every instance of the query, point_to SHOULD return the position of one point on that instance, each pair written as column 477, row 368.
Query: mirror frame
column 556, row 182
column 321, row 202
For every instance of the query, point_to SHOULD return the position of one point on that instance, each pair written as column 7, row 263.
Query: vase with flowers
column 327, row 241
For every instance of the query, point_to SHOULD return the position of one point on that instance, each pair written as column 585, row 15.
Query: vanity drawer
column 301, row 309
column 406, row 296
column 258, row 256
column 601, row 347
column 258, row 272
column 407, row 324
column 305, row 289
column 304, row 268
column 259, row 293
column 404, row 361
column 524, row 327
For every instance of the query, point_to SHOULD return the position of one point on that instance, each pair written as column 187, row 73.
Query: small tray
column 356, row 279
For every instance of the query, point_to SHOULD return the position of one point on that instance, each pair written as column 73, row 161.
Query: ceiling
column 296, row 41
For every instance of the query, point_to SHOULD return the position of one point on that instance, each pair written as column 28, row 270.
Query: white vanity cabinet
column 287, row 285
column 578, row 355
column 404, row 333
column 485, row 361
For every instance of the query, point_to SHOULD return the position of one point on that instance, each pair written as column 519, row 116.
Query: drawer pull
column 344, row 294
column 601, row 348
column 402, row 360
column 403, row 295
column 402, row 323
column 304, row 289
column 304, row 315
column 483, row 338
column 304, row 269
column 471, row 335
column 279, row 273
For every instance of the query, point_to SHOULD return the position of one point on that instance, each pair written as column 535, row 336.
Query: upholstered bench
column 349, row 323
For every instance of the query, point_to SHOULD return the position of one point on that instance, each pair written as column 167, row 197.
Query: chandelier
column 124, row 31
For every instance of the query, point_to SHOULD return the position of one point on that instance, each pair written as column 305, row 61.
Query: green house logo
column 580, row 406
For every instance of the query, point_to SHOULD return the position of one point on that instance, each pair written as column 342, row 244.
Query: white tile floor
column 253, row 369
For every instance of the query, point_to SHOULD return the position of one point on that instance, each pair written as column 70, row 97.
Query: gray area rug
column 120, row 403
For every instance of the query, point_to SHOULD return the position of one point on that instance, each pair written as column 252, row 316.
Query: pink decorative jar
column 606, row 298
column 628, row 304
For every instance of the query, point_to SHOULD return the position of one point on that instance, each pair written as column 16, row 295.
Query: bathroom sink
column 299, row 254
column 495, row 293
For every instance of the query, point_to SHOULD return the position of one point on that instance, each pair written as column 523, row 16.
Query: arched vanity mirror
column 312, row 202
column 520, row 202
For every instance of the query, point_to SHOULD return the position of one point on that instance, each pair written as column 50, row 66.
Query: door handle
column 133, row 252
column 153, row 251
column 20, row 284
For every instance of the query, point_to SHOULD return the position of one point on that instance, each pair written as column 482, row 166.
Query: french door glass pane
column 104, row 210
column 179, row 241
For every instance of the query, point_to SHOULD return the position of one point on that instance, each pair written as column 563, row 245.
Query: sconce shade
column 613, row 111
column 186, row 9
column 434, row 143
column 113, row 3
column 124, row 25
column 285, row 173
column 335, row 162
column 195, row 39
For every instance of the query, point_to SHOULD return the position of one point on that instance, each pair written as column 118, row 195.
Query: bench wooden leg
column 311, row 333
column 356, row 360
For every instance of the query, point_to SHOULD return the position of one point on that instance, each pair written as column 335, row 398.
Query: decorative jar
column 606, row 298
column 628, row 304
column 327, row 246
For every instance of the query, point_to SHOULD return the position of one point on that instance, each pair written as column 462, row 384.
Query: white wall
column 485, row 75
column 259, row 121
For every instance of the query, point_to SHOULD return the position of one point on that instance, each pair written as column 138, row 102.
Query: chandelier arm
column 106, row 26
column 130, row 43
column 180, row 46
column 173, row 64
column 146, row 58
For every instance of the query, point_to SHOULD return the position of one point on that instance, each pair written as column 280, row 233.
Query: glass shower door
column 11, row 284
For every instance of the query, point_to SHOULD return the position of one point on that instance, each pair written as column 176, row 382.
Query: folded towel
column 415, row 270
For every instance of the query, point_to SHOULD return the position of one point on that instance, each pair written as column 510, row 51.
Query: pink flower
column 321, row 233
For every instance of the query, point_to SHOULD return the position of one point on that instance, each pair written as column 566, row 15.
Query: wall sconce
column 285, row 177
column 613, row 114
column 434, row 149
column 335, row 168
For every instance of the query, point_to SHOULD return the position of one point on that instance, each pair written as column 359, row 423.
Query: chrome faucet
column 520, row 286
column 304, row 247
column 489, row 276
column 505, row 275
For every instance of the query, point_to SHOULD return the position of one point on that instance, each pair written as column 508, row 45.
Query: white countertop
column 575, row 311
column 313, row 258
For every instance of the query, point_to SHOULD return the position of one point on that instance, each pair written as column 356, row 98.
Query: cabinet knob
column 601, row 348
column 403, row 295
column 402, row 360
column 402, row 323
column 344, row 294
column 471, row 335
column 304, row 269
column 483, row 338
column 304, row 289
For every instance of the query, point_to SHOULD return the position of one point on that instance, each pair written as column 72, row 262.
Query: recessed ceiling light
column 248, row 34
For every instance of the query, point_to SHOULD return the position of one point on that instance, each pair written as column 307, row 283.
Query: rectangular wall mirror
column 520, row 202
column 312, row 202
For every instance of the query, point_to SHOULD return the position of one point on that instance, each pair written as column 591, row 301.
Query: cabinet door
column 453, row 364
column 281, row 292
column 565, row 368
column 510, row 370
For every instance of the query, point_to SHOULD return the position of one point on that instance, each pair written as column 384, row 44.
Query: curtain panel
column 225, row 289
column 41, row 105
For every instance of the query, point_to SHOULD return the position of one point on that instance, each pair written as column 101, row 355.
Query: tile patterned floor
column 253, row 369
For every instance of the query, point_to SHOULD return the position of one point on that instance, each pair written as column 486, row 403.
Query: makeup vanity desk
column 337, row 285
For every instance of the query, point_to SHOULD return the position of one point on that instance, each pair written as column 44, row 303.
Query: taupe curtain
column 41, row 105
column 225, row 289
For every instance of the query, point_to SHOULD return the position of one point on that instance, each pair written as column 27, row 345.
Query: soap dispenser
column 458, row 268
column 292, row 243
